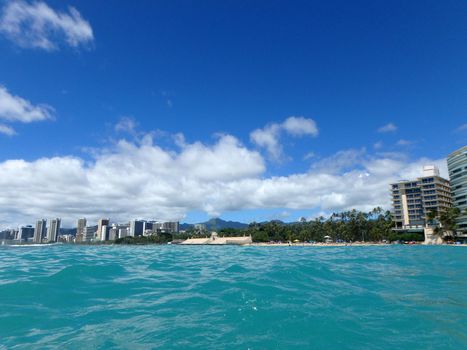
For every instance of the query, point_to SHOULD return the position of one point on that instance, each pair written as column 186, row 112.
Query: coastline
column 356, row 244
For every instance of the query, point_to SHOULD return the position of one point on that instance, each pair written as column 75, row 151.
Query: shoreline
column 359, row 244
column 254, row 244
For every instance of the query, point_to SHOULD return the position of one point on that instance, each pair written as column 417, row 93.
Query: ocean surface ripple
column 180, row 297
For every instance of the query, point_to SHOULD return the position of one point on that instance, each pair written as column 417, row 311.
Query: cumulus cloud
column 6, row 130
column 129, row 180
column 126, row 124
column 299, row 126
column 268, row 137
column 143, row 180
column 36, row 25
column 388, row 128
column 403, row 142
column 341, row 160
column 17, row 109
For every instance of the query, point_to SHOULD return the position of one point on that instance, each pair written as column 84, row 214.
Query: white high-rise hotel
column 412, row 200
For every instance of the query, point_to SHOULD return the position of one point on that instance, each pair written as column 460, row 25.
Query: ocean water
column 179, row 297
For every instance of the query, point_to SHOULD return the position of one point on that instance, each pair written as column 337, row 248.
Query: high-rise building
column 53, row 230
column 80, row 227
column 25, row 233
column 412, row 200
column 100, row 223
column 104, row 234
column 88, row 233
column 122, row 231
column 40, row 231
column 113, row 233
column 457, row 166
column 166, row 226
column 81, row 224
column 170, row 227
column 148, row 227
column 136, row 228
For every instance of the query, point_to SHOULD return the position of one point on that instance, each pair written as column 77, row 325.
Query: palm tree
column 431, row 216
column 448, row 220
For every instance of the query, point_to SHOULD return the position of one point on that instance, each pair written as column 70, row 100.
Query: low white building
column 214, row 239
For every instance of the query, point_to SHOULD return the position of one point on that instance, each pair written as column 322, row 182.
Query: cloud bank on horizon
column 141, row 179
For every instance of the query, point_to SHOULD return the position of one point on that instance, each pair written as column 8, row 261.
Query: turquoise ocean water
column 173, row 297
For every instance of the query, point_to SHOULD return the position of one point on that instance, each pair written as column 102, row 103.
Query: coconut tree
column 448, row 220
column 431, row 217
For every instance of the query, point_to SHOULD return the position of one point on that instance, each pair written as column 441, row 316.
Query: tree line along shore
column 347, row 226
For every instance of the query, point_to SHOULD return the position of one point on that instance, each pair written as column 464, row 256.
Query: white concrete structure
column 430, row 170
column 216, row 240
column 431, row 238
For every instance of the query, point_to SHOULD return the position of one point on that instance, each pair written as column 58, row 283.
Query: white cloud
column 17, row 109
column 142, row 180
column 4, row 129
column 378, row 145
column 403, row 142
column 462, row 128
column 126, row 124
column 36, row 25
column 341, row 160
column 309, row 155
column 269, row 136
column 388, row 128
column 299, row 126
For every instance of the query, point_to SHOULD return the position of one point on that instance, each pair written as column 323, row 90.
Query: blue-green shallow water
column 173, row 297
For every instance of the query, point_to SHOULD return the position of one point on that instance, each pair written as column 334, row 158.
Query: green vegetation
column 448, row 221
column 154, row 239
column 349, row 226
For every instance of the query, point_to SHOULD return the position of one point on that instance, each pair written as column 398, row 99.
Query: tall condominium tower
column 40, row 231
column 88, row 234
column 54, row 230
column 412, row 200
column 457, row 166
column 100, row 223
column 80, row 226
column 104, row 234
column 136, row 228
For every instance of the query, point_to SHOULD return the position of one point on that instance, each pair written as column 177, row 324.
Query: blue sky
column 210, row 68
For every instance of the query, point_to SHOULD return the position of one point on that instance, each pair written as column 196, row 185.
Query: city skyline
column 250, row 123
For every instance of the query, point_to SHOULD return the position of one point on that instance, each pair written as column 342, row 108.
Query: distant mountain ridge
column 216, row 224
